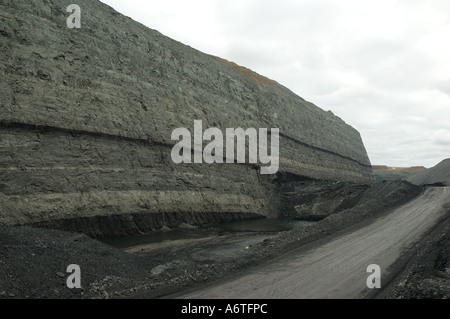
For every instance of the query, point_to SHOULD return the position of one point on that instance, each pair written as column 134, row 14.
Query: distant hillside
column 440, row 174
column 383, row 172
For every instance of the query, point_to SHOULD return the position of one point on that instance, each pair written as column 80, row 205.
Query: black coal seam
column 47, row 128
column 99, row 226
column 324, row 150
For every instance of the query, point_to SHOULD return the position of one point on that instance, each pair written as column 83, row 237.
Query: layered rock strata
column 86, row 117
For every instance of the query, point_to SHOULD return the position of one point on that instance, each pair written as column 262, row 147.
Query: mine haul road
column 337, row 268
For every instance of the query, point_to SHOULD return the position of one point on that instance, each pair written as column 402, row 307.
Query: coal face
column 86, row 117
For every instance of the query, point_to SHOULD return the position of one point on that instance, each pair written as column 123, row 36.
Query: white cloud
column 382, row 66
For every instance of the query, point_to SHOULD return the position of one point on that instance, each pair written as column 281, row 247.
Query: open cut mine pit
column 86, row 154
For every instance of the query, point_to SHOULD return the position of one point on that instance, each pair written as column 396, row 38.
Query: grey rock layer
column 86, row 117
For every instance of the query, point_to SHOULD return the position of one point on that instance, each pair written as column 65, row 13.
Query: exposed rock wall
column 86, row 117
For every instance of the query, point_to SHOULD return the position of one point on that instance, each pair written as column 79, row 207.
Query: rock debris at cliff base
column 32, row 259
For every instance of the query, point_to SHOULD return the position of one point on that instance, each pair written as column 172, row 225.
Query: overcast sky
column 382, row 66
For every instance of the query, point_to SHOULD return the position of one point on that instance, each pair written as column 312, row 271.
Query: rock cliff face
column 86, row 117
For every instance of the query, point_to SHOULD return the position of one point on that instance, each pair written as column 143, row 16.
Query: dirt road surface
column 337, row 268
